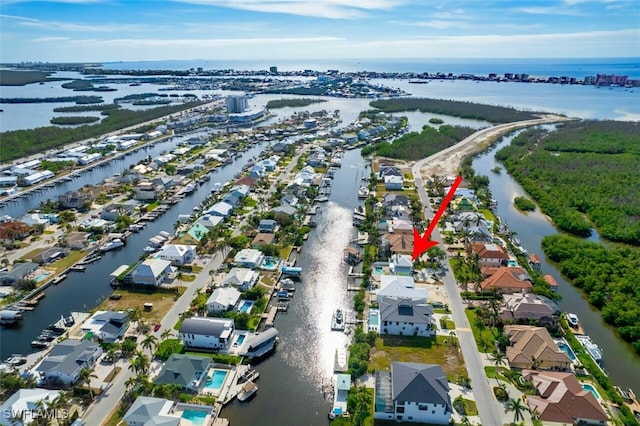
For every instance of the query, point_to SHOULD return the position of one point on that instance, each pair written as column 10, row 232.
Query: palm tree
column 166, row 334
column 150, row 342
column 142, row 362
column 515, row 405
column 85, row 378
column 535, row 414
column 498, row 359
column 135, row 315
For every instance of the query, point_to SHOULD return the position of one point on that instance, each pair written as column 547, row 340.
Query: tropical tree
column 135, row 315
column 518, row 408
column 150, row 342
column 166, row 334
column 85, row 377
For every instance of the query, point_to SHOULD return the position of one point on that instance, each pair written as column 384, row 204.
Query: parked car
column 156, row 327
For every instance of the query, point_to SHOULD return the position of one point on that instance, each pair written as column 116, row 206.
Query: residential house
column 166, row 182
column 66, row 359
column 462, row 204
column 490, row 255
column 262, row 239
column 412, row 392
column 187, row 371
column 534, row 262
column 284, row 213
column 177, row 254
column 393, row 183
column 31, row 219
column 232, row 199
column 18, row 271
column 196, row 233
column 151, row 272
column 506, row 280
column 115, row 210
column 147, row 411
column 405, row 317
column 400, row 287
column 400, row 226
column 560, row 399
column 267, row 225
column 553, row 284
column 531, row 347
column 147, row 191
column 242, row 278
column 210, row 221
column 206, row 333
column 290, row 200
column 50, row 254
column 27, row 402
column 240, row 190
column 14, row 231
column 107, row 326
column 396, row 244
column 75, row 200
column 527, row 306
column 401, row 264
column 248, row 258
column 248, row 181
column 222, row 299
column 222, row 209
column 388, row 170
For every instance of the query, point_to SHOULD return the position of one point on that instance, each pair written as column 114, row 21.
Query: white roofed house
column 107, row 326
column 412, row 392
column 243, row 278
column 401, row 264
column 406, row 317
column 147, row 191
column 221, row 209
column 210, row 221
column 66, row 359
column 248, row 258
column 151, row 272
column 222, row 299
column 25, row 402
column 177, row 254
column 400, row 287
column 393, row 182
column 206, row 333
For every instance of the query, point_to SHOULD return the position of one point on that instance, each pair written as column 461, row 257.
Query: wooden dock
column 271, row 316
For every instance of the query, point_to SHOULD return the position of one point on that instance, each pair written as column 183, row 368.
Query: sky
column 144, row 30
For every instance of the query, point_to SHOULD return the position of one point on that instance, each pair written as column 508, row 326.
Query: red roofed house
column 561, row 399
column 531, row 347
column 552, row 282
column 490, row 255
column 507, row 280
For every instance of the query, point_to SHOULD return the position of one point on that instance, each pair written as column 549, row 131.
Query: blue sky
column 130, row 30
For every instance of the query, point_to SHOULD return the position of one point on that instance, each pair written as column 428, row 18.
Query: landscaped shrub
column 501, row 394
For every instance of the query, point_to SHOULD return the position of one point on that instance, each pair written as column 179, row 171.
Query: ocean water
column 540, row 67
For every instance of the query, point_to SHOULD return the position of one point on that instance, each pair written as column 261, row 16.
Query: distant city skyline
column 119, row 30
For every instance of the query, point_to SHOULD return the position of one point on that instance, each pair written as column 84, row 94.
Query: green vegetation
column 152, row 102
column 608, row 276
column 136, row 96
column 86, row 86
column 359, row 352
column 85, row 108
column 484, row 336
column 73, row 120
column 80, row 100
column 524, row 204
column 436, row 121
column 281, row 103
column 22, row 143
column 21, row 78
column 584, row 171
column 168, row 347
column 494, row 114
column 414, row 146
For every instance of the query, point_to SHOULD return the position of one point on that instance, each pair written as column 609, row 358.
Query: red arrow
column 422, row 243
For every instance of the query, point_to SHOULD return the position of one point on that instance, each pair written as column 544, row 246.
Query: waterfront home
column 233, row 200
column 196, row 232
column 392, row 200
column 393, row 183
column 561, row 399
column 489, row 255
column 222, row 299
column 210, row 221
column 248, row 258
column 267, row 225
column 391, row 244
column 412, row 392
column 341, row 386
column 284, row 213
column 44, row 219
column 147, row 191
column 262, row 239
column 256, row 345
column 241, row 191
column 187, row 371
column 400, row 226
column 462, row 204
column 290, row 200
column 222, row 209
column 400, row 287
column 67, row 358
column 151, row 411
column 151, row 272
column 531, row 347
column 75, row 200
column 553, row 284
column 115, row 210
column 506, row 280
column 26, row 402
column 388, row 170
column 50, row 254
column 405, row 317
column 107, row 326
column 13, row 231
column 177, row 254
column 242, row 278
column 206, row 333
column 248, row 181
column 527, row 306
column 18, row 271
column 534, row 262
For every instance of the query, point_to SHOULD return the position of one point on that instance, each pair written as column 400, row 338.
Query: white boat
column 248, row 389
column 16, row 359
column 573, row 320
column 112, row 245
column 363, row 192
column 592, row 349
column 189, row 188
column 217, row 187
column 337, row 322
column 149, row 249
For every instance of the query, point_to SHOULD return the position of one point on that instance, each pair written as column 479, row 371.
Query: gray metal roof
column 405, row 310
column 205, row 326
column 68, row 356
column 422, row 383
column 180, row 369
column 144, row 409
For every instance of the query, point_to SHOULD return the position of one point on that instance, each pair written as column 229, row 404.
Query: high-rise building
column 273, row 70
column 237, row 104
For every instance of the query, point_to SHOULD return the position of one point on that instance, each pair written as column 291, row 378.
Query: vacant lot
column 440, row 350
column 136, row 298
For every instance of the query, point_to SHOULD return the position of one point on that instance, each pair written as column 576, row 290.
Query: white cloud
column 197, row 43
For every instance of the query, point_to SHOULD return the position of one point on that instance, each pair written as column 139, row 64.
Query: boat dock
column 270, row 317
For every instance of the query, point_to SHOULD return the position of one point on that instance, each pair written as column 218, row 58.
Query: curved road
column 490, row 411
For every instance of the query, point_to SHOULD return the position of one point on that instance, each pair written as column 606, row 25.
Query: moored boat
column 248, row 390
column 338, row 322
column 112, row 245
column 572, row 319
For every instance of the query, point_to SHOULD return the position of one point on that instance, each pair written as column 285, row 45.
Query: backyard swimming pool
column 239, row 340
column 374, row 320
column 216, row 380
column 564, row 347
column 245, row 306
column 41, row 276
column 270, row 263
column 196, row 417
column 590, row 388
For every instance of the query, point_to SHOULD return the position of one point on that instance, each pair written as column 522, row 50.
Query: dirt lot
column 131, row 299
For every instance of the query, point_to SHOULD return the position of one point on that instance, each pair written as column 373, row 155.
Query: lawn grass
column 136, row 298
column 470, row 408
column 488, row 214
column 69, row 260
column 484, row 338
column 428, row 350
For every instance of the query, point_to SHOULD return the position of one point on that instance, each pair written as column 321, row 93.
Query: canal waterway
column 292, row 379
column 620, row 361
column 82, row 291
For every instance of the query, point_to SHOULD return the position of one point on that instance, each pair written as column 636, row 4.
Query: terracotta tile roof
column 528, row 343
column 561, row 399
column 507, row 278
column 489, row 251
column 400, row 243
